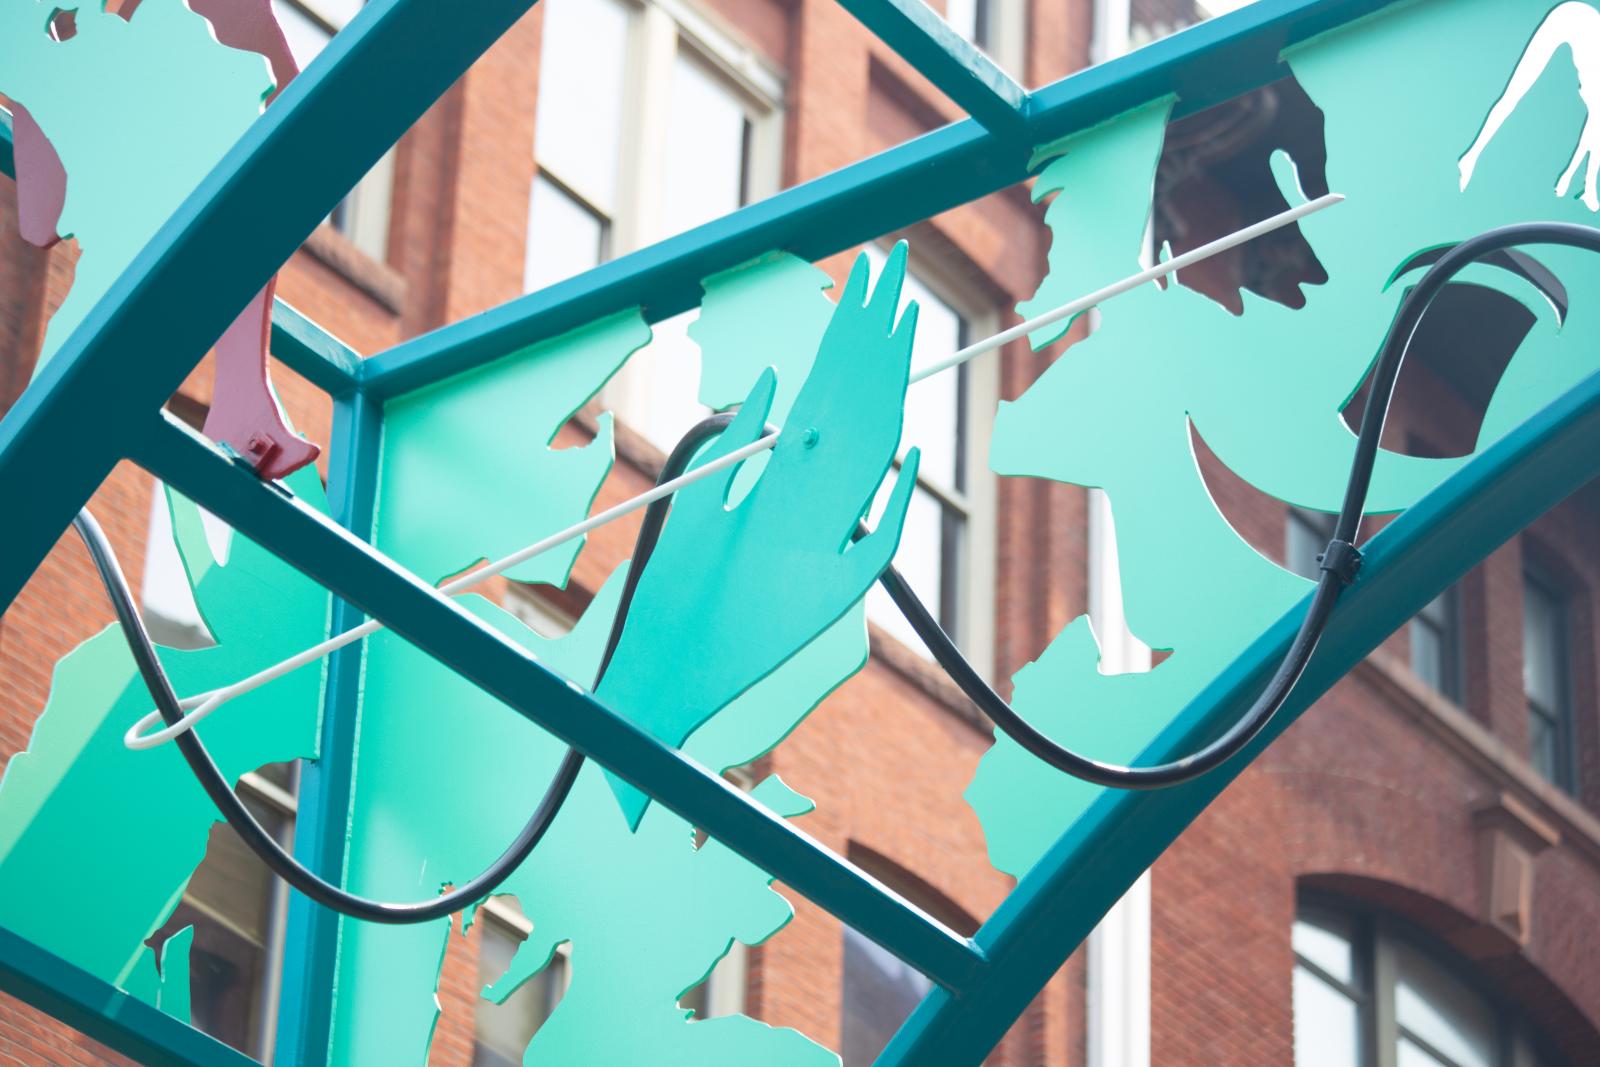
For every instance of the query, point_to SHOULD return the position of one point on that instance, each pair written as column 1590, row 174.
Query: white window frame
column 657, row 30
column 999, row 30
column 976, row 562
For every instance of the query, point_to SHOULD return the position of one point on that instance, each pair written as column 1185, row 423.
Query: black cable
column 1338, row 563
column 262, row 843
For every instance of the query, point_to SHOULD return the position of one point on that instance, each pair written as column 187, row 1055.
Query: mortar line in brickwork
column 199, row 706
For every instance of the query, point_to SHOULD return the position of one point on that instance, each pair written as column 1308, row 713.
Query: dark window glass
column 1544, row 680
column 879, row 992
column 1435, row 634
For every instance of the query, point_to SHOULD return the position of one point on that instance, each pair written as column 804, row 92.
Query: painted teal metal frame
column 349, row 106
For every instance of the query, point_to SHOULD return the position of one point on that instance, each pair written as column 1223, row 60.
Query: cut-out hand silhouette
column 732, row 592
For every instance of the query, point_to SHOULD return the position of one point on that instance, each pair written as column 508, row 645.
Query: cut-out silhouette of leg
column 244, row 412
column 1576, row 25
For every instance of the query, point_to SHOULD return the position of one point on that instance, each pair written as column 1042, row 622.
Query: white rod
column 1133, row 281
column 203, row 704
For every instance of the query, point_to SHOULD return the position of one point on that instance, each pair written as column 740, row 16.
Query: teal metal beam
column 955, row 66
column 352, row 569
column 883, row 193
column 322, row 821
column 102, row 1011
column 1413, row 560
column 135, row 347
column 313, row 353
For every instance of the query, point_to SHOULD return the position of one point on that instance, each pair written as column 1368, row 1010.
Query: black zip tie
column 1341, row 559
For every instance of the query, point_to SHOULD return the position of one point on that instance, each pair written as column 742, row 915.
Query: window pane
column 1440, row 1010
column 1435, row 648
column 704, row 177
column 1307, row 535
column 1543, row 749
column 1427, row 653
column 306, row 36
column 564, row 238
column 879, row 992
column 919, row 558
column 663, row 380
column 962, row 15
column 235, row 906
column 503, row 1031
column 933, row 406
column 1410, row 1054
column 1542, row 640
column 1544, row 644
column 1320, row 943
column 582, row 67
column 338, row 12
column 1327, row 1024
column 166, row 599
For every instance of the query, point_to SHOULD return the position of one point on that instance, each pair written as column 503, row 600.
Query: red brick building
column 1412, row 875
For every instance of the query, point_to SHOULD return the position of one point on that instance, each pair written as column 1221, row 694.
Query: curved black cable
column 1339, row 563
column 263, row 844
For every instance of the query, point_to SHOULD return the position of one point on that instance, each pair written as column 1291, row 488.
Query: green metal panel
column 1410, row 562
column 113, row 870
column 353, row 570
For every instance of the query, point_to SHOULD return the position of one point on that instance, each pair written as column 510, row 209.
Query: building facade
column 1410, row 876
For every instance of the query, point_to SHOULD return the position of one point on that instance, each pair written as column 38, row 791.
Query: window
column 1435, row 635
column 1367, row 993
column 722, row 992
column 363, row 215
column 1544, row 680
column 651, row 120
column 946, row 545
column 1305, row 538
column 166, row 600
column 237, row 908
column 879, row 992
column 503, row 1031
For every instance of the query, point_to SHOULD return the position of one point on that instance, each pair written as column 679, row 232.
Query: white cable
column 203, row 704
column 1133, row 281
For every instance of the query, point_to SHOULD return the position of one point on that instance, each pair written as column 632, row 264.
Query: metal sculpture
column 389, row 729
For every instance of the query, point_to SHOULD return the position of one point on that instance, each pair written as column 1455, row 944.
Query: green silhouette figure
column 735, row 589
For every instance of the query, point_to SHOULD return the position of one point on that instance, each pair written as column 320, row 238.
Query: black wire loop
column 1338, row 567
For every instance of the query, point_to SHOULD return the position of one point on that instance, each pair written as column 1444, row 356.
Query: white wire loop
column 201, row 705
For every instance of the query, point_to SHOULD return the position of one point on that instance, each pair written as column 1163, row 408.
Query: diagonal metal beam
column 955, row 66
column 240, row 224
column 314, row 353
column 352, row 569
column 1413, row 560
column 99, row 1009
